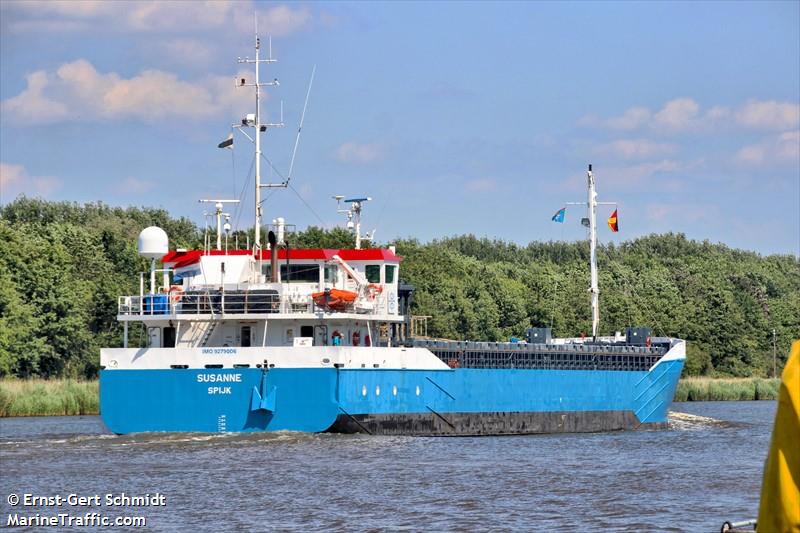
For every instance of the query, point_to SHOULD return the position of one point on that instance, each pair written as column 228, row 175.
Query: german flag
column 612, row 222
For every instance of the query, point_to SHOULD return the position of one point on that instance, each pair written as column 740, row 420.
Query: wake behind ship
column 275, row 338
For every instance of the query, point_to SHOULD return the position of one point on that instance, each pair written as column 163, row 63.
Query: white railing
column 234, row 303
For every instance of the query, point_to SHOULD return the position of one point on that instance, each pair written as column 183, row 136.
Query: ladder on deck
column 209, row 332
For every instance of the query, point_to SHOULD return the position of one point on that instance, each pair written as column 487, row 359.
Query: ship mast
column 591, row 223
column 594, row 291
column 255, row 122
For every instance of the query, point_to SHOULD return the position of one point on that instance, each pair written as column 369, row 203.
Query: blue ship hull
column 462, row 401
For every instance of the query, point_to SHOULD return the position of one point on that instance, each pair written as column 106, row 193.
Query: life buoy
column 374, row 290
column 356, row 338
column 175, row 293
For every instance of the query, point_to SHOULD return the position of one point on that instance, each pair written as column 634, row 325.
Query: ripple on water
column 689, row 422
column 678, row 479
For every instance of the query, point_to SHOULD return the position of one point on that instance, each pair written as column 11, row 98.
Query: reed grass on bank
column 55, row 397
column 711, row 389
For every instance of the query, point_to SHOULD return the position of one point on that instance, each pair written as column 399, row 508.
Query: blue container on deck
column 156, row 304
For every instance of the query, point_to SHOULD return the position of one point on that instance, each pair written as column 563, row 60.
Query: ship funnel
column 153, row 243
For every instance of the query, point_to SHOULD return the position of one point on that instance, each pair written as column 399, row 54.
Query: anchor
column 263, row 400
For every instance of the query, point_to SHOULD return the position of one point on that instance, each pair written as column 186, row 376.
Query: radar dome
column 153, row 243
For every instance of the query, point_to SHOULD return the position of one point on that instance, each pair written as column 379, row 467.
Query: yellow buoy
column 780, row 492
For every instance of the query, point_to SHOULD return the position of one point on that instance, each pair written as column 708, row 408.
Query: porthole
column 364, row 390
column 377, row 390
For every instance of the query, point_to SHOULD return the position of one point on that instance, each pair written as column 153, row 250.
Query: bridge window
column 300, row 273
column 331, row 274
column 390, row 269
column 373, row 273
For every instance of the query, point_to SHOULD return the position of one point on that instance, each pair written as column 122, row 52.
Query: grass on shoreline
column 55, row 397
column 39, row 397
column 698, row 389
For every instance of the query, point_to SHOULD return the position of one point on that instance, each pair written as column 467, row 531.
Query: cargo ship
column 275, row 338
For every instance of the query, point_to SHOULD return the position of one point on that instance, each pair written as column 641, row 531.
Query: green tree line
column 63, row 266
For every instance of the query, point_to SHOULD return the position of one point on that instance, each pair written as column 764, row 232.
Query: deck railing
column 205, row 302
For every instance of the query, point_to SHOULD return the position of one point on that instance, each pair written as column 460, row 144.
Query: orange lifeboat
column 334, row 299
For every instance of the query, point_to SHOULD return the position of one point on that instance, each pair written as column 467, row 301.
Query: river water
column 704, row 470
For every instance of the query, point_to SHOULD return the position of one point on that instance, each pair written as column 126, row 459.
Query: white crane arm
column 360, row 280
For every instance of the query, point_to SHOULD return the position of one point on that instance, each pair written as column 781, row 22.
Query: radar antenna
column 353, row 216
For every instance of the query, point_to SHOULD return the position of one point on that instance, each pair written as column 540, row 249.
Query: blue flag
column 559, row 216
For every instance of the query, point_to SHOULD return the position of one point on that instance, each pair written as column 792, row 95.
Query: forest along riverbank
column 56, row 397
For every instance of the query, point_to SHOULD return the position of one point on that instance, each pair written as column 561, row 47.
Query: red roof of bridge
column 185, row 258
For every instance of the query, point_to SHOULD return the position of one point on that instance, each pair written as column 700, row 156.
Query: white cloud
column 277, row 21
column 663, row 175
column 64, row 8
column 678, row 114
column 149, row 16
column 31, row 105
column 15, row 180
column 684, row 114
column 778, row 149
column 626, row 176
column 636, row 148
column 633, row 118
column 353, row 152
column 174, row 16
column 770, row 115
column 78, row 91
column 10, row 175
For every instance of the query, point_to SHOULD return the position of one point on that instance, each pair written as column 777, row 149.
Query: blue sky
column 455, row 117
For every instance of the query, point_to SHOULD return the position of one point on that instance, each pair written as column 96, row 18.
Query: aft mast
column 591, row 222
column 594, row 290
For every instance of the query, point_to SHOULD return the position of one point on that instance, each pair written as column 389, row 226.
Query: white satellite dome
column 153, row 243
